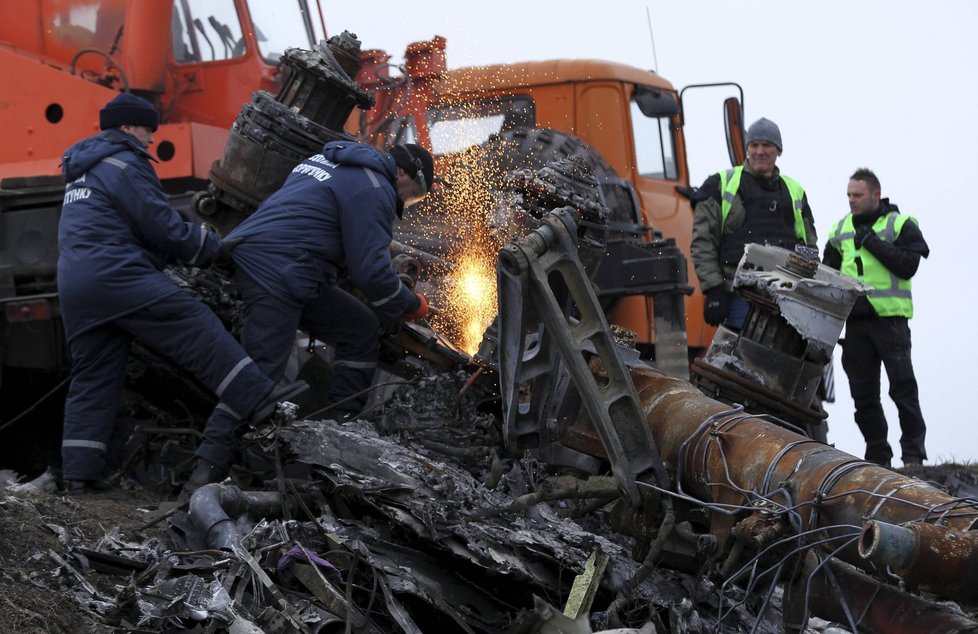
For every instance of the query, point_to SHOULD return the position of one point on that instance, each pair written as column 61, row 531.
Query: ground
column 35, row 528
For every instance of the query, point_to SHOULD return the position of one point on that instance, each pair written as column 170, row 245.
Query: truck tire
column 450, row 215
column 535, row 147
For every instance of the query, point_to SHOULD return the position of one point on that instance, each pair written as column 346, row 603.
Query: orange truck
column 62, row 61
column 200, row 60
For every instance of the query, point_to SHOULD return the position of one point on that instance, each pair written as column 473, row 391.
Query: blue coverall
column 333, row 217
column 117, row 232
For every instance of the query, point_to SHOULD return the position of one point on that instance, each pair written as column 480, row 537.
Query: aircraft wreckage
column 556, row 482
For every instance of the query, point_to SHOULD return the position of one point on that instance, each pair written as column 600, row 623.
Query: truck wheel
column 533, row 148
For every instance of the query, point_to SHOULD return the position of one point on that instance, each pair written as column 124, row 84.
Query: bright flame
column 472, row 298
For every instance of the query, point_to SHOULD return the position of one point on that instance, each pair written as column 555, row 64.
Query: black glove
column 715, row 306
column 224, row 251
column 224, row 263
column 863, row 233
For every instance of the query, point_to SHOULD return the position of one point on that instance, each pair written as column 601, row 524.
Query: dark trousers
column 178, row 327
column 352, row 329
column 268, row 334
column 868, row 343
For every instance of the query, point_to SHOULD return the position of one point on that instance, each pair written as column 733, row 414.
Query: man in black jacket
column 881, row 247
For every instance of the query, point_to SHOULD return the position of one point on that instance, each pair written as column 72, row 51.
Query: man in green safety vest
column 881, row 247
column 751, row 203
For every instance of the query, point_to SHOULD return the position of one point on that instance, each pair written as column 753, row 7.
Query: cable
column 36, row 404
column 361, row 393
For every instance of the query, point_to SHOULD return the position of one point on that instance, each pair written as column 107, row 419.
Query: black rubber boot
column 87, row 486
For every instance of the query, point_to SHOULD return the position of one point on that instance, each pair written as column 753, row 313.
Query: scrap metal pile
column 559, row 484
column 387, row 533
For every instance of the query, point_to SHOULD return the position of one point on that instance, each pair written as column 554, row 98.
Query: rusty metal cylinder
column 887, row 544
column 926, row 555
column 725, row 456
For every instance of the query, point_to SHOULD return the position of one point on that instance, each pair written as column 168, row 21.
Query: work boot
column 86, row 486
column 204, row 473
column 279, row 394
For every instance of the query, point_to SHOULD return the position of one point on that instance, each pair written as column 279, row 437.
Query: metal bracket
column 545, row 300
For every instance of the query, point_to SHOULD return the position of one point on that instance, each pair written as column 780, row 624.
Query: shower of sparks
column 454, row 222
column 471, row 297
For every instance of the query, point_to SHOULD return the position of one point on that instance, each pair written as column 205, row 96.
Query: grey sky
column 887, row 85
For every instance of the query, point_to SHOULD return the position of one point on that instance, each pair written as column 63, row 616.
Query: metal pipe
column 926, row 555
column 727, row 456
column 887, row 544
column 214, row 507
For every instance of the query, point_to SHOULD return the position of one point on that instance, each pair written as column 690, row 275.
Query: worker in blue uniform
column 117, row 232
column 327, row 228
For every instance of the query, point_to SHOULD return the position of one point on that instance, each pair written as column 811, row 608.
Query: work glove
column 418, row 313
column 863, row 233
column 715, row 306
column 224, row 263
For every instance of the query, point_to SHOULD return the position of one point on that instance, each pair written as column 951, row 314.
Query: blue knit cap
column 128, row 109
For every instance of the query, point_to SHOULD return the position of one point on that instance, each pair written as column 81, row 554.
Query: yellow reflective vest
column 891, row 296
column 730, row 185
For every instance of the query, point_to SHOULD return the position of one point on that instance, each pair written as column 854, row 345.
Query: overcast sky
column 888, row 85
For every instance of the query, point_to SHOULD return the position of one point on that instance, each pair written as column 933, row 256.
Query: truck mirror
column 733, row 124
column 655, row 103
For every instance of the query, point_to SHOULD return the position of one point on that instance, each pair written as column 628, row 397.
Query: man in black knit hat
column 117, row 232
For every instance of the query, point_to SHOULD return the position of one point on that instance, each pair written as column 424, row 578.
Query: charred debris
column 554, row 481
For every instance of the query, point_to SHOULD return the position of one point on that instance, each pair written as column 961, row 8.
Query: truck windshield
column 87, row 25
column 455, row 127
column 206, row 31
column 285, row 24
column 210, row 30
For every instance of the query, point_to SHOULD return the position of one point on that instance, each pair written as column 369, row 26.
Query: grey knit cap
column 765, row 130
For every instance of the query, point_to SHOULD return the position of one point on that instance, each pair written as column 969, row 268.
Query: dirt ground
column 37, row 589
column 40, row 577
